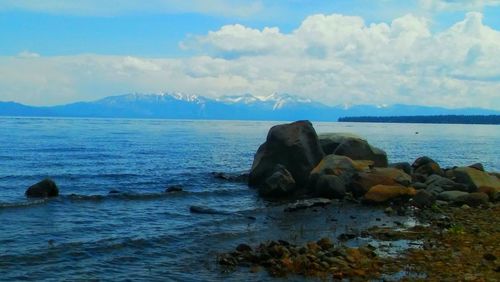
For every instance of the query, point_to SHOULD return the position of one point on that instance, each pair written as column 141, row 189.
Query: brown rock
column 363, row 181
column 475, row 178
column 329, row 177
column 384, row 193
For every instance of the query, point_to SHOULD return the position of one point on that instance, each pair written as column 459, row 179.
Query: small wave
column 24, row 204
column 126, row 196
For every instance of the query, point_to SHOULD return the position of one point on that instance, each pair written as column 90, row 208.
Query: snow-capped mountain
column 175, row 105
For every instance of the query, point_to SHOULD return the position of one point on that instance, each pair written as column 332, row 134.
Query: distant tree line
column 450, row 119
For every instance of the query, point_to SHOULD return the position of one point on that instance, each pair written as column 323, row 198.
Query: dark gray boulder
column 330, row 186
column 445, row 184
column 451, row 196
column 424, row 199
column 426, row 166
column 473, row 199
column 43, row 189
column 404, row 166
column 352, row 146
column 294, row 146
column 279, row 184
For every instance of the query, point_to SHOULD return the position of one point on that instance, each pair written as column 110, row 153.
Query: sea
column 142, row 233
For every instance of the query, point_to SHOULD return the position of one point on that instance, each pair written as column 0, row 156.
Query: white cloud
column 235, row 8
column 332, row 58
column 28, row 54
column 458, row 5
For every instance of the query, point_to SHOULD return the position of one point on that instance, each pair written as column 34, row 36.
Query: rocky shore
column 456, row 209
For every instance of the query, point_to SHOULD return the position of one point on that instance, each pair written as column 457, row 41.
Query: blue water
column 146, row 234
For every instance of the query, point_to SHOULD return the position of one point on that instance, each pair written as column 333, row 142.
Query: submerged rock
column 236, row 177
column 308, row 203
column 174, row 188
column 294, row 145
column 43, row 189
column 352, row 146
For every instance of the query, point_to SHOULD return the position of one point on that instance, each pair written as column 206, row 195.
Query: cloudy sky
column 425, row 52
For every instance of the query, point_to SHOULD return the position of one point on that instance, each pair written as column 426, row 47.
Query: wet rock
column 426, row 166
column 451, row 196
column 419, row 185
column 424, row 199
column 174, row 188
column 489, row 257
column 473, row 199
column 330, row 141
column 279, row 184
column 475, row 178
column 434, row 190
column 330, row 186
column 362, row 182
column 43, row 189
column 114, row 192
column 352, row 146
column 294, row 145
column 325, row 243
column 404, row 166
column 346, row 236
column 493, row 193
column 329, row 177
column 445, row 184
column 384, row 193
column 242, row 248
column 478, row 166
column 236, row 177
column 308, row 203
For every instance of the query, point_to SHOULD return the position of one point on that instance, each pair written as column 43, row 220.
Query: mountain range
column 241, row 107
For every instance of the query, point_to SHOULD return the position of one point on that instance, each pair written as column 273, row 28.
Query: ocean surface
column 143, row 233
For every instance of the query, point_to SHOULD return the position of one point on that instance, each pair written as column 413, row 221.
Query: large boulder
column 362, row 182
column 294, row 145
column 279, row 184
column 384, row 193
column 330, row 177
column 426, row 166
column 352, row 146
column 476, row 179
column 43, row 189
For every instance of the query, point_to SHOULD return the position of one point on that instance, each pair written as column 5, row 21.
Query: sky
column 346, row 52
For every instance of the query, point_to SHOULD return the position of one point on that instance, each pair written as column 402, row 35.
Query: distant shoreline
column 431, row 119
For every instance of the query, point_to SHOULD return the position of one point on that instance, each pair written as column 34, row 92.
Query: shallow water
column 144, row 233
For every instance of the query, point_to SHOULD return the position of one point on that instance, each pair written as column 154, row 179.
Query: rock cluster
column 295, row 161
column 313, row 259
